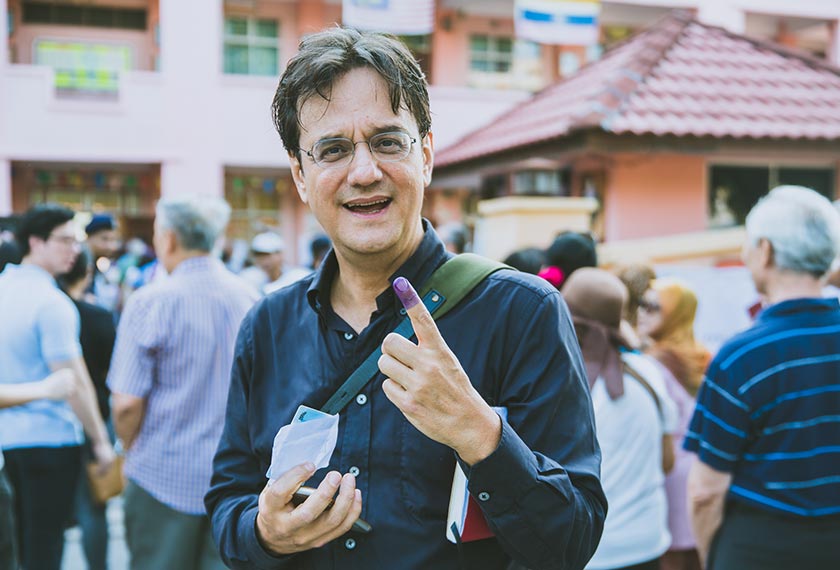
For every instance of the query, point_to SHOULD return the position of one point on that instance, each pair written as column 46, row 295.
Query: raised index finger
column 421, row 319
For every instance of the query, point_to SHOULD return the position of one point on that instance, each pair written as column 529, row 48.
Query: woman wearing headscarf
column 666, row 317
column 633, row 417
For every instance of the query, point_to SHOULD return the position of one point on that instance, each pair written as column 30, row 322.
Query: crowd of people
column 63, row 300
column 594, row 429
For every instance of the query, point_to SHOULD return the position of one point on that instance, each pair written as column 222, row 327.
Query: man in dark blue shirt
column 767, row 424
column 353, row 113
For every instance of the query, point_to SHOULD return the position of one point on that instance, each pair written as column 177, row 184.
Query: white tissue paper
column 311, row 436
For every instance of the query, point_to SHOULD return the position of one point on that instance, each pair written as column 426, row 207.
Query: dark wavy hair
column 325, row 57
column 40, row 221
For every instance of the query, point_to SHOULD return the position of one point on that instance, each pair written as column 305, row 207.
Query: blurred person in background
column 319, row 247
column 454, row 237
column 528, row 260
column 169, row 377
column 765, row 493
column 9, row 253
column 832, row 287
column 267, row 254
column 104, row 243
column 666, row 318
column 270, row 271
column 42, row 439
column 57, row 386
column 634, row 417
column 96, row 336
column 637, row 278
column 568, row 252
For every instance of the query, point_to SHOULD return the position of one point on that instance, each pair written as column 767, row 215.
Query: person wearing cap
column 634, row 416
column 103, row 244
column 270, row 273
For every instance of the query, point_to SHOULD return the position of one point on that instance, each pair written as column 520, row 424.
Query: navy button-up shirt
column 539, row 490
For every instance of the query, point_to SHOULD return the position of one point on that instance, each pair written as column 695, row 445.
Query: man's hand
column 429, row 386
column 283, row 528
column 105, row 456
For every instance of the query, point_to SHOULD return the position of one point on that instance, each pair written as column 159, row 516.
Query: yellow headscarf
column 674, row 342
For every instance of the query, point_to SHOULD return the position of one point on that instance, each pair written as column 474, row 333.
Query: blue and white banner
column 559, row 22
column 400, row 17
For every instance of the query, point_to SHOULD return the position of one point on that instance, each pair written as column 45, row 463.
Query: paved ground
column 117, row 553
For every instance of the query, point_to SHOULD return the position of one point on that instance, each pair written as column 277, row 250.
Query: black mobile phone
column 301, row 494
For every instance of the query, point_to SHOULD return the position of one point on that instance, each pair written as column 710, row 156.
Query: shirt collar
column 196, row 264
column 798, row 306
column 32, row 271
column 428, row 256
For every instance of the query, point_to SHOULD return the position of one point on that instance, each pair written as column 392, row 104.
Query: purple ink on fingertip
column 406, row 293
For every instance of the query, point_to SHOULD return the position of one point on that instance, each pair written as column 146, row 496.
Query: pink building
column 679, row 130
column 107, row 104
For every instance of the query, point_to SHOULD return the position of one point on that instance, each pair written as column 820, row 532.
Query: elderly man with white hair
column 169, row 377
column 765, row 492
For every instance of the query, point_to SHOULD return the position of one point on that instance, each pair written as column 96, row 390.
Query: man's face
column 754, row 257
column 269, row 262
column 58, row 252
column 104, row 243
column 366, row 207
column 164, row 243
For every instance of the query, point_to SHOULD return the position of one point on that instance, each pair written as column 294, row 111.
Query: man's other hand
column 429, row 386
column 283, row 528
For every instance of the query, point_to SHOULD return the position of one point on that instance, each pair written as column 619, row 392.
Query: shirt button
column 354, row 471
column 350, row 544
column 348, row 336
column 484, row 496
column 361, row 399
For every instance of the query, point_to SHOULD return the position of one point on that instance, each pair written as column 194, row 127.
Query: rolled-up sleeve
column 233, row 497
column 540, row 489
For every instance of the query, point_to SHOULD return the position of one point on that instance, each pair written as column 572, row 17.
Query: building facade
column 105, row 105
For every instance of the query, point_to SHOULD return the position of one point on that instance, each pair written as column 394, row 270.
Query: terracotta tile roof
column 679, row 77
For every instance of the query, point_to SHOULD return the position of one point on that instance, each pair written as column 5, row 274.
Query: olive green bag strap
column 447, row 287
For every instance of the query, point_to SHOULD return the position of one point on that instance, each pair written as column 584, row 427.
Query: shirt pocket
column 426, row 471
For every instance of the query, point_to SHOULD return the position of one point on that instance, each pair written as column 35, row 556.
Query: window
column 94, row 16
column 251, row 46
column 734, row 190
column 498, row 62
column 491, row 54
column 83, row 68
column 421, row 49
column 541, row 183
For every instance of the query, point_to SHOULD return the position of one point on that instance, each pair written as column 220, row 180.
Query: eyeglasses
column 649, row 306
column 64, row 240
column 385, row 147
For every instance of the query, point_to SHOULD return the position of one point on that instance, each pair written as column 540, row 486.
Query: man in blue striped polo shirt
column 766, row 491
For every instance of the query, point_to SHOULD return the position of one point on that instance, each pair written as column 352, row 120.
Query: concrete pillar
column 833, row 54
column 5, row 165
column 5, row 187
column 724, row 14
column 192, row 73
